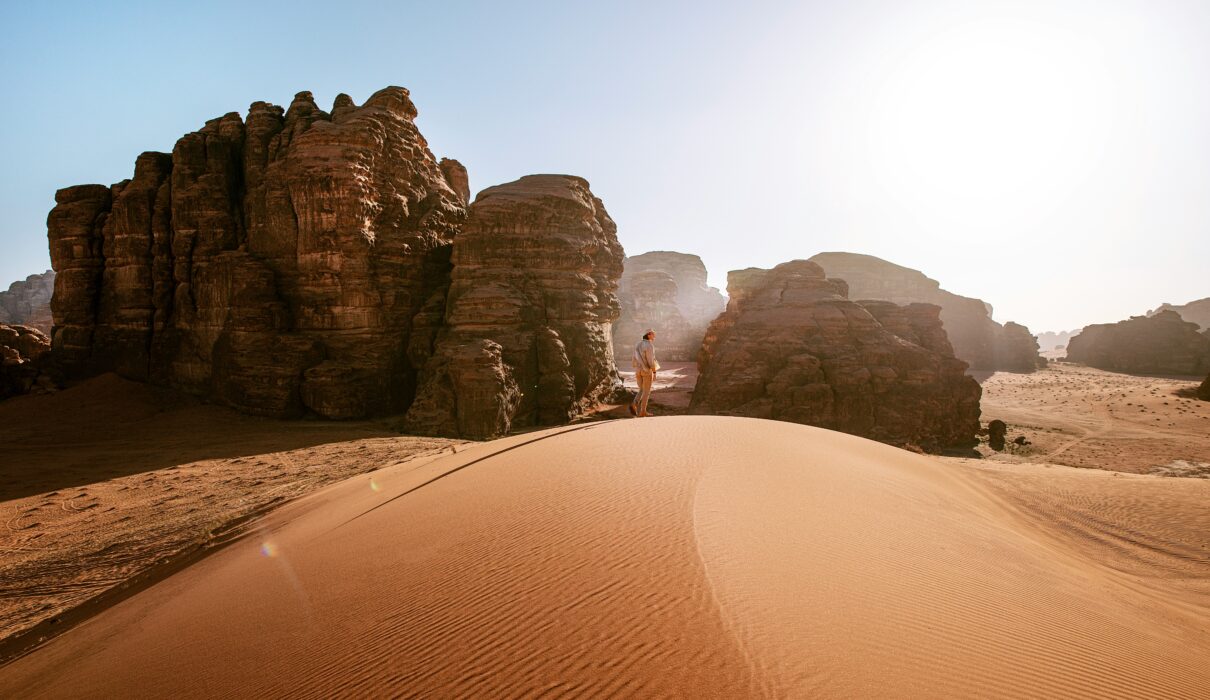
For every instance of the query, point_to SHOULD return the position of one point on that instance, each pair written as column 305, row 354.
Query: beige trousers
column 644, row 378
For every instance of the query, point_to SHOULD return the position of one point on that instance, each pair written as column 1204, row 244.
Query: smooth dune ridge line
column 685, row 556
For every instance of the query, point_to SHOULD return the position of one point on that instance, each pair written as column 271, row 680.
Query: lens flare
column 268, row 549
column 374, row 486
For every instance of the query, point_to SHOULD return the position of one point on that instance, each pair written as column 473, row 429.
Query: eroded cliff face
column 791, row 346
column 274, row 264
column 977, row 339
column 27, row 302
column 665, row 291
column 1160, row 344
column 524, row 331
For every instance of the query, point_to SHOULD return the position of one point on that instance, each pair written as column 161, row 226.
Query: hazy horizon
column 1052, row 159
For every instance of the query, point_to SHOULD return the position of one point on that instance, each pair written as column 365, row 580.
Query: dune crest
column 687, row 556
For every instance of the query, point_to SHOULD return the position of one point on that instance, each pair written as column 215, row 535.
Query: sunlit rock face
column 27, row 302
column 665, row 291
column 977, row 339
column 791, row 346
column 273, row 263
column 523, row 335
column 1159, row 344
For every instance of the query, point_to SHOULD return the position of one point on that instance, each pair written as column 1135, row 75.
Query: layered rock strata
column 522, row 337
column 666, row 291
column 791, row 346
column 977, row 339
column 1160, row 344
column 27, row 302
column 273, row 263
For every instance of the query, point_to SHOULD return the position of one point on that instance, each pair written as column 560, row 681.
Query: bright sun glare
column 988, row 115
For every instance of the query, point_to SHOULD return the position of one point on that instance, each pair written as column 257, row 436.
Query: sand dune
column 683, row 556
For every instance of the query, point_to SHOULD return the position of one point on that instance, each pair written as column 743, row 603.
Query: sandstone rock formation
column 1195, row 312
column 20, row 349
column 27, row 302
column 522, row 337
column 1055, row 340
column 1203, row 391
column 1159, row 344
column 977, row 339
column 274, row 264
column 1017, row 349
column 666, row 291
column 791, row 346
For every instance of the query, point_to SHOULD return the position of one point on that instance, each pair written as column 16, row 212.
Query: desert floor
column 111, row 484
column 1084, row 417
column 112, row 492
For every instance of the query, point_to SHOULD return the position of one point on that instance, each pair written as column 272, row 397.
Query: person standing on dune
column 645, row 366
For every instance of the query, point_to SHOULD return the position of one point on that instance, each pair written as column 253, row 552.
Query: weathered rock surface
column 977, row 339
column 1203, row 391
column 666, row 291
column 525, row 331
column 27, row 302
column 996, row 430
column 273, row 264
column 21, row 348
column 1017, row 349
column 1159, row 344
column 1195, row 312
column 791, row 346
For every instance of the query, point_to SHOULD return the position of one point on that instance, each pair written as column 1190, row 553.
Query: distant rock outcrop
column 27, row 302
column 1159, row 344
column 666, row 291
column 1195, row 312
column 21, row 347
column 274, row 264
column 1017, row 349
column 524, row 337
column 1055, row 340
column 791, row 346
column 977, row 339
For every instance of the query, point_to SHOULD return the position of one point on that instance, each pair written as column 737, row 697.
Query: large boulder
column 977, row 339
column 524, row 337
column 666, row 291
column 273, row 263
column 1203, row 391
column 21, row 349
column 791, row 346
column 27, row 302
column 1160, row 344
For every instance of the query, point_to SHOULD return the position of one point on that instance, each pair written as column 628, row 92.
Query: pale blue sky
column 1052, row 158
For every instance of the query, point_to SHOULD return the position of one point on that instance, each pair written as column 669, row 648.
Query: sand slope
column 688, row 556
